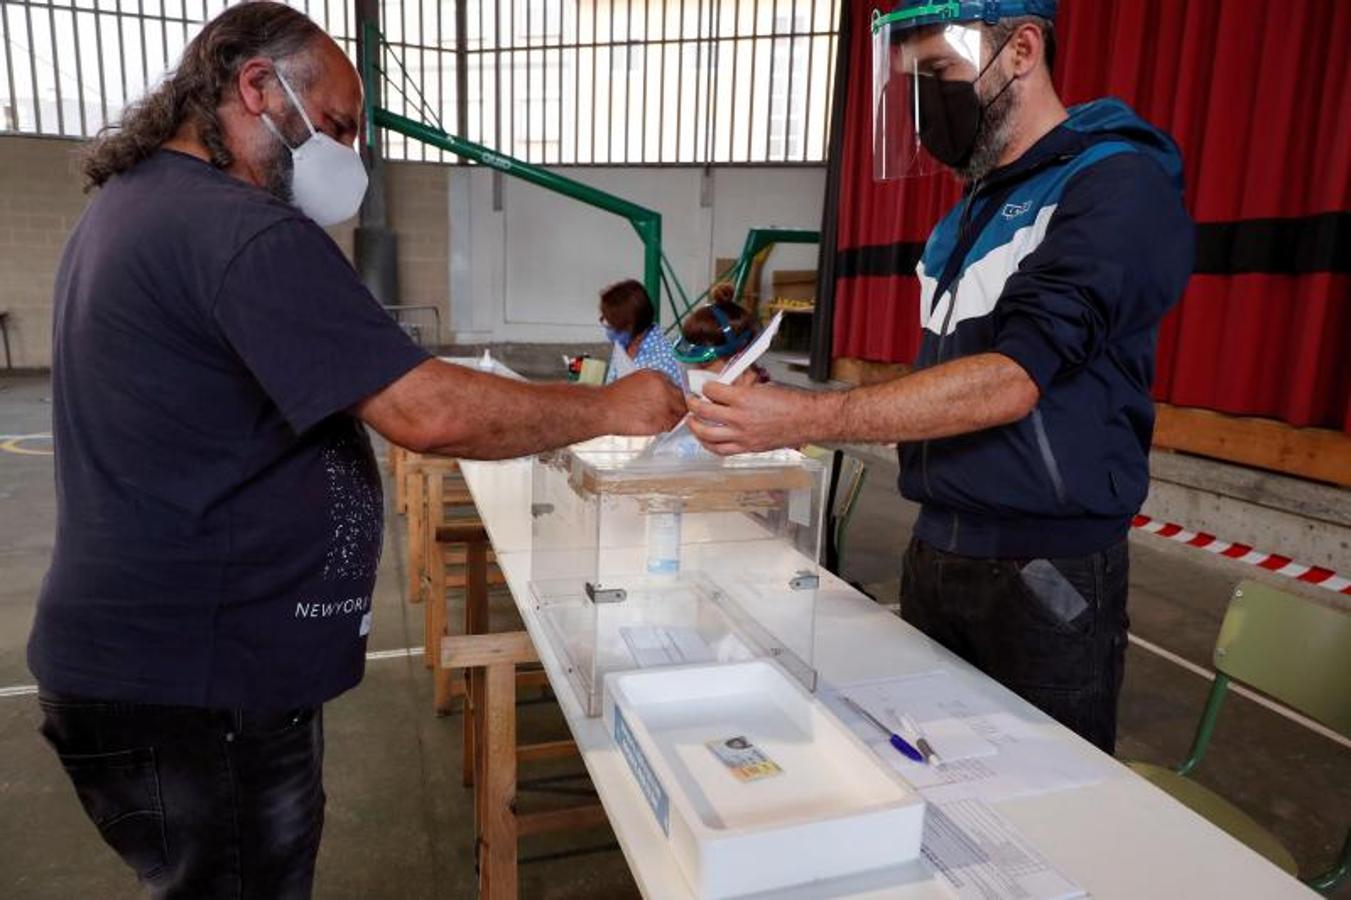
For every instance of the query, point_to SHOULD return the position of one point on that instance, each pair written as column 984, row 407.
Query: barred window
column 551, row 81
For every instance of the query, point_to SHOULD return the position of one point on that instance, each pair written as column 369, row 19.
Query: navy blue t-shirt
column 219, row 512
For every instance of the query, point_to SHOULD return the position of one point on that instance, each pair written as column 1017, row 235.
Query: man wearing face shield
column 1025, row 430
column 219, row 510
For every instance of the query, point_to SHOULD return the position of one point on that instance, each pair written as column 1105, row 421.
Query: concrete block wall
column 419, row 210
column 41, row 199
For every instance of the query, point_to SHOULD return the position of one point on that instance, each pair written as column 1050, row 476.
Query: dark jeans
column 199, row 803
column 1051, row 630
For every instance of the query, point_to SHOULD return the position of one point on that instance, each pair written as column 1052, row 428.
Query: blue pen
column 897, row 741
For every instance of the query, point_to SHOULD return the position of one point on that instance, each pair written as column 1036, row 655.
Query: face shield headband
column 694, row 354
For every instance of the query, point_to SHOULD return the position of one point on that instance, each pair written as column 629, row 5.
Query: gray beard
column 277, row 174
column 992, row 140
column 278, row 165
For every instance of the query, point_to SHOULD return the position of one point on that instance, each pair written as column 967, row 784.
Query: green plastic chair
column 1295, row 651
column 847, row 474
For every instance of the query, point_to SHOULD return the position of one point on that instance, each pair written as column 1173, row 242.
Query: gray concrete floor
column 399, row 822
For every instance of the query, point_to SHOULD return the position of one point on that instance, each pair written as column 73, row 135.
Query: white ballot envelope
column 680, row 441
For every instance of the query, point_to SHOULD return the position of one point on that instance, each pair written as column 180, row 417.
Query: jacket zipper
column 1043, row 444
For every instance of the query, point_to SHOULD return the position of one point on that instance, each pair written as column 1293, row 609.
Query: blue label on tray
column 647, row 779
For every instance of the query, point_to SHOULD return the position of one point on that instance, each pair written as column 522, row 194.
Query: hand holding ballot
column 751, row 418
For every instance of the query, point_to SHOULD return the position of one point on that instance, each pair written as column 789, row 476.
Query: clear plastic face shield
column 923, row 81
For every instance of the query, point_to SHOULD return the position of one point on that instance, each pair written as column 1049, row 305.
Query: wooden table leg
column 475, row 622
column 417, row 532
column 498, row 872
column 444, row 679
column 496, row 657
column 435, row 618
column 475, row 710
column 398, row 464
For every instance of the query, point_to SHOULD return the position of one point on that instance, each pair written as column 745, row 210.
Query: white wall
column 531, row 271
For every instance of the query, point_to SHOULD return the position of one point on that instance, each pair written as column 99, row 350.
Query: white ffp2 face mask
column 328, row 180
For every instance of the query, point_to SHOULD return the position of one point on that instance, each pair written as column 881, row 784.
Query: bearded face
column 274, row 158
column 1001, row 104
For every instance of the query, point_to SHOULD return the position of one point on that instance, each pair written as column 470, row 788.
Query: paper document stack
column 988, row 755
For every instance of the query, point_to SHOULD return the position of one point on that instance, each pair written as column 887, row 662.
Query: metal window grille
column 67, row 67
column 562, row 82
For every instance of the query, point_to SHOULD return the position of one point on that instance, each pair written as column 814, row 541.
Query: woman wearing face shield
column 712, row 336
column 1023, row 432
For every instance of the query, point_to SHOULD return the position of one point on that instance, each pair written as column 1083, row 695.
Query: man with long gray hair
column 219, row 509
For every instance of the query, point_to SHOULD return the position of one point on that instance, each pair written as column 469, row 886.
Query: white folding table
column 1118, row 838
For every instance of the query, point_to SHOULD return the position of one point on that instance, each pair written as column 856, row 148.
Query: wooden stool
column 443, row 530
column 491, row 660
column 454, row 548
column 413, row 474
column 477, row 576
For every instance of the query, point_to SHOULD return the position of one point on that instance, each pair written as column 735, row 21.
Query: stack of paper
column 982, row 856
column 989, row 755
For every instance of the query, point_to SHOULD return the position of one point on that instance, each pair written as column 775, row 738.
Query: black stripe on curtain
column 1300, row 246
column 1296, row 246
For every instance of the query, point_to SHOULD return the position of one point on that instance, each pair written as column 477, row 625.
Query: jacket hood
column 1111, row 118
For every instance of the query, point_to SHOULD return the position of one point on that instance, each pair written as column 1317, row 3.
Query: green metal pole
column 650, row 232
column 647, row 222
column 744, row 264
column 757, row 239
column 530, row 172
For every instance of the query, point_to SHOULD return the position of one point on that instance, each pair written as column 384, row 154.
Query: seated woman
column 626, row 313
column 713, row 334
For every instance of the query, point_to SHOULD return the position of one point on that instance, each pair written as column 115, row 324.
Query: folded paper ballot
column 680, row 442
column 748, row 357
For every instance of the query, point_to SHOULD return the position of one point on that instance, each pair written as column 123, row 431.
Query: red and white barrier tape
column 1272, row 562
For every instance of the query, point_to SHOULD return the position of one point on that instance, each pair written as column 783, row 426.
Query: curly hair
column 193, row 91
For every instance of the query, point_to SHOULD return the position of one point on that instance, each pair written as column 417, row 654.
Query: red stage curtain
column 1258, row 95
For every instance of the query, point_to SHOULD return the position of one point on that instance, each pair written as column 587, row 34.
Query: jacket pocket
column 1048, row 460
column 120, row 793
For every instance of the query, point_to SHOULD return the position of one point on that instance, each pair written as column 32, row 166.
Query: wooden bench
column 491, row 755
column 449, row 553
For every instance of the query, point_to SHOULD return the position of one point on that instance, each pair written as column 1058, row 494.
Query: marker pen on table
column 895, row 739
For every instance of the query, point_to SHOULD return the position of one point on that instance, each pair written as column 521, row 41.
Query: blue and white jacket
column 1065, row 261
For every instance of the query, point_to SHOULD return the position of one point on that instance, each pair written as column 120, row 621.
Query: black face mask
column 951, row 116
column 949, row 120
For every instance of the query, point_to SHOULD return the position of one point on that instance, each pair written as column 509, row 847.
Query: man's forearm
column 457, row 411
column 485, row 417
column 965, row 395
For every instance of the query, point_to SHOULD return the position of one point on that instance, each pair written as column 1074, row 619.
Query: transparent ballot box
column 642, row 562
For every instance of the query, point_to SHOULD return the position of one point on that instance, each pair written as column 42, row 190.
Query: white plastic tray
column 833, row 810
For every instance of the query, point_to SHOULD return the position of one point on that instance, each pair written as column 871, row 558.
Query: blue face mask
column 615, row 336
